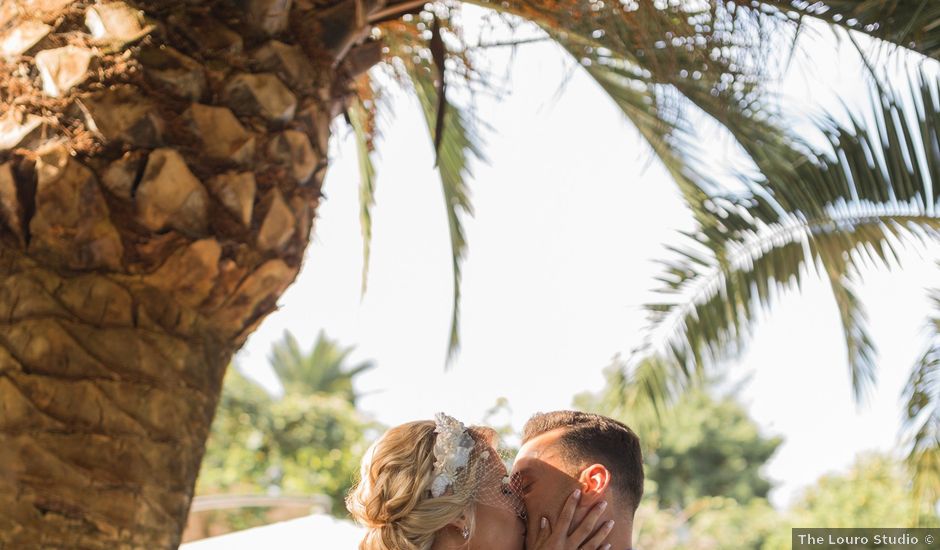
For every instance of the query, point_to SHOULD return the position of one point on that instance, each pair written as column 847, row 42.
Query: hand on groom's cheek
column 540, row 478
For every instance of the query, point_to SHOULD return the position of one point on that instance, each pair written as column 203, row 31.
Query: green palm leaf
column 456, row 148
column 660, row 63
column 358, row 118
column 410, row 60
column 818, row 207
column 642, row 102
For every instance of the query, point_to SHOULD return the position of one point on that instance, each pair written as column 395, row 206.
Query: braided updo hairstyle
column 393, row 499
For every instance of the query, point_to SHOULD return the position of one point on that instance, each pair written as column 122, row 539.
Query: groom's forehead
column 542, row 447
column 544, row 442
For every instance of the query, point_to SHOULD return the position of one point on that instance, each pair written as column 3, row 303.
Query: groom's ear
column 595, row 479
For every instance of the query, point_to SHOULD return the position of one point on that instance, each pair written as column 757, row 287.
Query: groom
column 567, row 450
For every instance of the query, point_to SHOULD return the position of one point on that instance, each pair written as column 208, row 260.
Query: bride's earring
column 465, row 532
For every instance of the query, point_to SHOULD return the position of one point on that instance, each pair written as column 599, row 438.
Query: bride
column 437, row 485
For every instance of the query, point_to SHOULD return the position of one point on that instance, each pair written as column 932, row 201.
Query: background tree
column 710, row 447
column 322, row 370
column 307, row 441
column 874, row 492
column 712, row 523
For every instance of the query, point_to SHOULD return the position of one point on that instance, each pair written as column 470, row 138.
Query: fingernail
column 577, row 493
column 609, row 524
column 606, row 546
column 603, row 505
column 544, row 523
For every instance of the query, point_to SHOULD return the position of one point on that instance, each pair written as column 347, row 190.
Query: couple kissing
column 438, row 485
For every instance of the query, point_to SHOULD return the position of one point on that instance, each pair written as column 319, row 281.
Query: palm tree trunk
column 160, row 166
column 107, row 390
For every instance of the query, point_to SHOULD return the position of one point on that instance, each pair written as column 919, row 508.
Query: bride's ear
column 595, row 479
column 461, row 524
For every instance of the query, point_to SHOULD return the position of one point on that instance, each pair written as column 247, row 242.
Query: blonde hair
column 392, row 499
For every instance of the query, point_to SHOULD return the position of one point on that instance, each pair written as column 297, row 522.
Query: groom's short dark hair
column 592, row 438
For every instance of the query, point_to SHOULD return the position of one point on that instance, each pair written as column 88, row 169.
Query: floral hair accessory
column 451, row 452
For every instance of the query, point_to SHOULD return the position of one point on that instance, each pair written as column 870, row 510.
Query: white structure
column 314, row 532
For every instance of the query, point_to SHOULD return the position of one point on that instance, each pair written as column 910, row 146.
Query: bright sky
column 569, row 216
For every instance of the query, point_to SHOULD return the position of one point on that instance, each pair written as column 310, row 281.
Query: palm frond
column 359, row 117
column 644, row 103
column 839, row 209
column 286, row 358
column 858, row 343
column 714, row 300
column 456, row 148
column 834, row 210
column 451, row 130
column 922, row 418
column 649, row 386
column 656, row 61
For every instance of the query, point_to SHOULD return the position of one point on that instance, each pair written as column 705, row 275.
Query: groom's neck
column 621, row 538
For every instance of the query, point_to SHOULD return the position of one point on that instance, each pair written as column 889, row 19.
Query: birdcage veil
column 472, row 461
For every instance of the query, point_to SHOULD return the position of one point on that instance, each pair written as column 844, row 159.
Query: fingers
column 585, row 536
column 595, row 541
column 587, row 525
column 545, row 531
column 567, row 512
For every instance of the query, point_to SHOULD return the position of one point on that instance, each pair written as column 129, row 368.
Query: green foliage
column 307, row 441
column 726, row 523
column 322, row 370
column 236, row 458
column 315, row 443
column 456, row 145
column 713, row 523
column 874, row 493
column 709, row 447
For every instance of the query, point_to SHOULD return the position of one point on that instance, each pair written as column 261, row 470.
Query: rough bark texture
column 160, row 167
